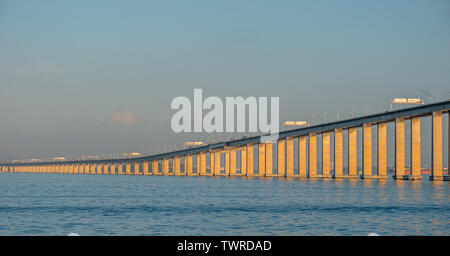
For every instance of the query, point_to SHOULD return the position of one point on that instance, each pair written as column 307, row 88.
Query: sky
column 90, row 77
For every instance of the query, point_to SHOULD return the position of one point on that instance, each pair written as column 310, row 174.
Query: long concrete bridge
column 256, row 158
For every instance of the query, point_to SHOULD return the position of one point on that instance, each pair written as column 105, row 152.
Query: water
column 59, row 204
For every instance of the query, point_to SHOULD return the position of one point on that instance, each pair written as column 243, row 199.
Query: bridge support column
column 198, row 165
column 136, row 168
column 399, row 149
column 382, row 150
column 302, row 157
column 367, row 152
column 312, row 155
column 269, row 159
column 112, row 168
column 227, row 163
column 189, row 165
column 243, row 161
column 436, row 146
column 352, row 153
column 338, row 154
column 155, row 167
column 326, row 155
column 105, row 168
column 281, row 157
column 232, row 153
column 203, row 164
column 289, row 158
column 165, row 164
column 120, row 169
column 261, row 159
column 217, row 163
column 250, row 160
column 415, row 164
column 176, row 166
column 212, row 165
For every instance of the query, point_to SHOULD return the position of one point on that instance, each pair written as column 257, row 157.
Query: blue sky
column 67, row 67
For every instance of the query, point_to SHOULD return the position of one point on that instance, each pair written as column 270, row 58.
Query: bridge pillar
column 302, row 156
column 261, row 159
column 198, row 165
column 136, row 168
column 399, row 149
column 189, row 165
column 105, row 168
column 165, row 167
column 211, row 163
column 367, row 151
column 227, row 163
column 338, row 154
column 145, row 168
column 352, row 153
column 269, row 159
column 203, row 164
column 382, row 150
column 232, row 162
column 312, row 155
column 99, row 168
column 250, row 160
column 436, row 146
column 217, row 163
column 243, row 161
column 281, row 157
column 120, row 169
column 176, row 166
column 155, row 167
column 326, row 155
column 112, row 168
column 128, row 169
column 415, row 164
column 289, row 158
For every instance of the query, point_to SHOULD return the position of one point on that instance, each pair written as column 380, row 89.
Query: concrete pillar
column 302, row 157
column 105, row 168
column 243, row 161
column 203, row 164
column 436, row 146
column 177, row 166
column 137, row 168
column 312, row 155
column 352, row 153
column 250, row 161
column 227, row 162
column 99, row 168
column 415, row 164
column 269, row 160
column 198, row 164
column 165, row 164
column 212, row 165
column 399, row 149
column 382, row 150
column 155, row 167
column 326, row 154
column 281, row 157
column 367, row 150
column 338, row 154
column 217, row 163
column 92, row 168
column 145, row 168
column 112, row 168
column 289, row 158
column 232, row 153
column 261, row 159
column 120, row 169
column 189, row 165
column 128, row 169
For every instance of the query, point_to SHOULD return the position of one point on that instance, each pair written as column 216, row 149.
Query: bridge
column 250, row 157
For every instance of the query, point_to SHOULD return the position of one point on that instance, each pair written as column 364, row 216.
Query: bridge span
column 252, row 158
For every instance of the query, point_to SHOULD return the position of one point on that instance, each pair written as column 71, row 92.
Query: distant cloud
column 123, row 117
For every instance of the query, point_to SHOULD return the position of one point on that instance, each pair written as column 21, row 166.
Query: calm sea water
column 59, row 204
